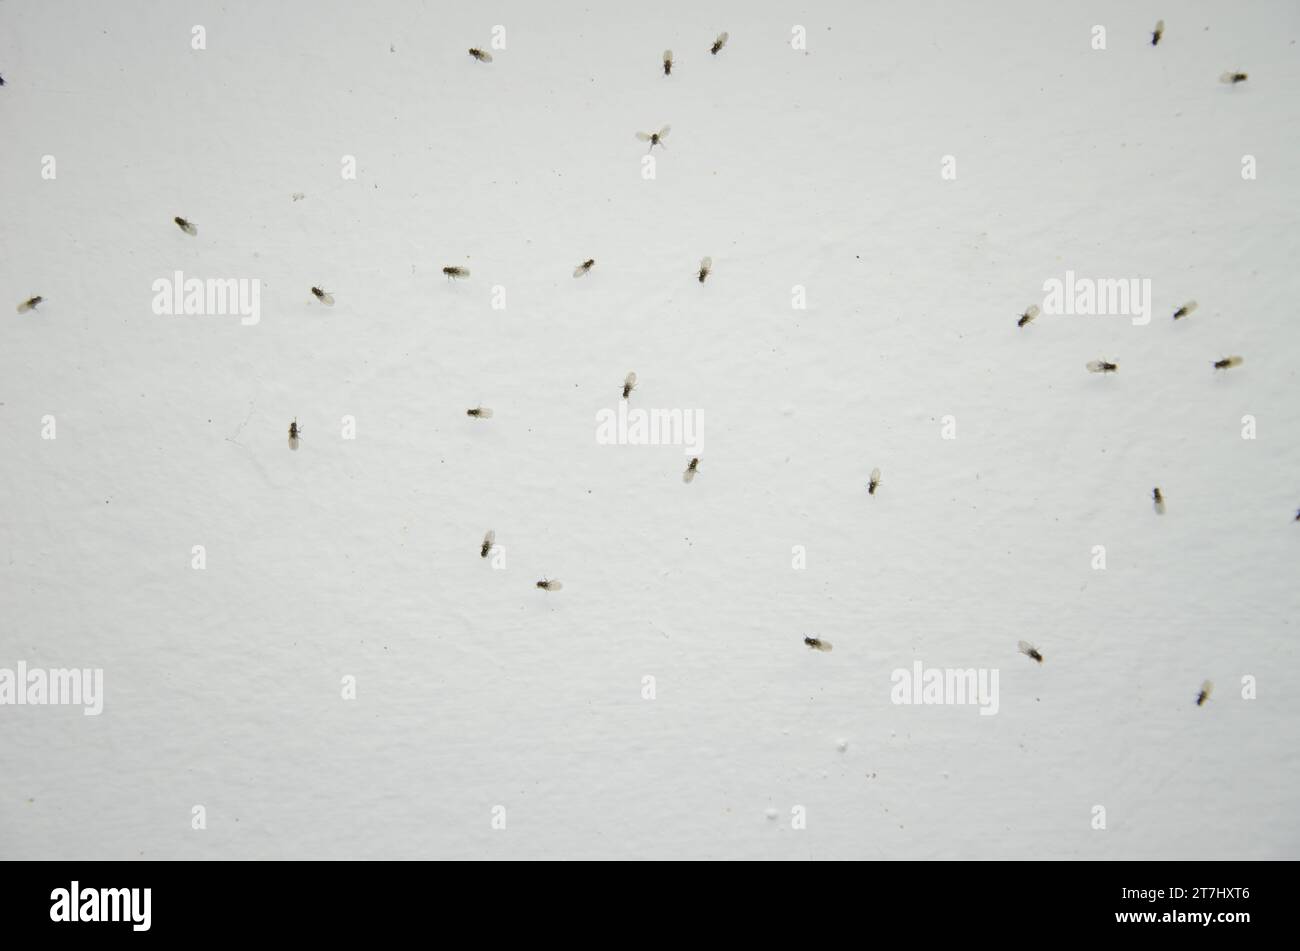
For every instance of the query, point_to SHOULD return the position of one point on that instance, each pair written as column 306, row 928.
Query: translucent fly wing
column 1095, row 366
column 644, row 136
column 721, row 41
column 1026, row 647
column 582, row 269
column 490, row 538
column 24, row 307
column 482, row 412
column 483, row 56
column 668, row 56
column 1232, row 77
column 706, row 264
column 1206, row 688
column 1031, row 311
column 821, row 645
column 293, row 443
column 663, row 133
column 630, row 380
column 187, row 227
column 689, row 475
column 554, row 586
column 327, row 299
column 875, row 476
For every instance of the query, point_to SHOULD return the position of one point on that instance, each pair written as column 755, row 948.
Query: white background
column 817, row 168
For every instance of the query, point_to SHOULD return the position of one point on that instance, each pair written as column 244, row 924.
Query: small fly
column 479, row 412
column 186, row 226
column 1158, row 32
column 1102, row 366
column 1030, row 313
column 668, row 62
column 547, row 584
column 719, row 43
column 456, row 273
column 706, row 268
column 30, row 304
column 489, row 540
column 689, row 475
column 1030, row 651
column 874, row 482
column 481, row 55
column 1159, row 498
column 629, row 384
column 584, row 267
column 817, row 644
column 1186, row 309
column 324, row 296
column 1227, row 363
column 1204, row 693
column 1233, row 78
column 655, row 138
